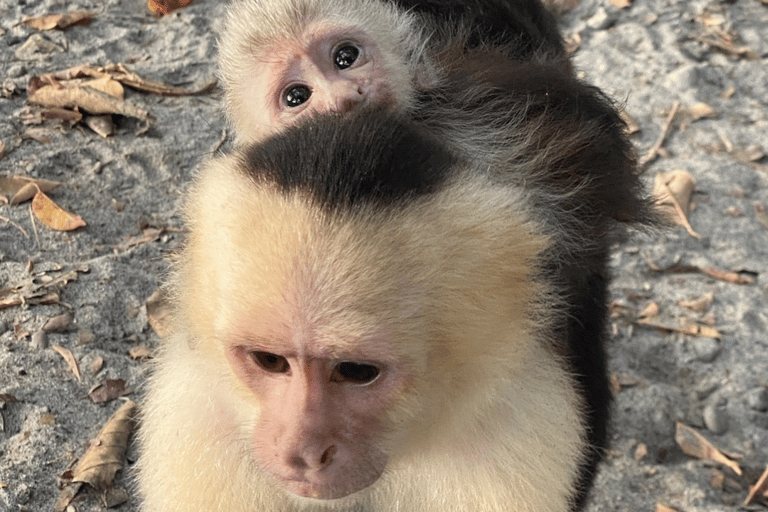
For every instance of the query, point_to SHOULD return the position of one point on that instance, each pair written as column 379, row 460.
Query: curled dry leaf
column 108, row 390
column 82, row 97
column 672, row 192
column 701, row 331
column 69, row 358
column 53, row 216
column 59, row 323
column 164, row 7
column 106, row 85
column 650, row 311
column 701, row 110
column 761, row 487
column 21, row 188
column 159, row 312
column 60, row 21
column 106, row 454
column 694, row 444
column 699, row 305
column 140, row 353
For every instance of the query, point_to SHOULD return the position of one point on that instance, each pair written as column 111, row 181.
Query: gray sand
column 648, row 57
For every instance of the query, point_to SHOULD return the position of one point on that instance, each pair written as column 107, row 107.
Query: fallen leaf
column 102, row 125
column 164, row 7
column 58, row 323
column 122, row 74
column 761, row 214
column 699, row 305
column 96, row 365
column 53, row 216
column 701, row 331
column 702, row 110
column 106, row 454
column 672, row 192
column 694, row 444
column 85, row 98
column 664, row 508
column 21, row 188
column 140, row 353
column 108, row 390
column 761, row 487
column 66, row 496
column 650, row 311
column 159, row 312
column 60, row 21
column 108, row 85
column 39, row 289
column 69, row 358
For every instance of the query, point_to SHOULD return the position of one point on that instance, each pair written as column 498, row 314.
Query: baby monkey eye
column 271, row 363
column 297, row 95
column 345, row 56
column 355, row 373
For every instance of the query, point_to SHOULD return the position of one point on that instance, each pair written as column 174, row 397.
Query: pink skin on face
column 319, row 428
column 325, row 71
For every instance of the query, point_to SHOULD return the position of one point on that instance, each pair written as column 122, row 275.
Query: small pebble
column 716, row 419
column 757, row 399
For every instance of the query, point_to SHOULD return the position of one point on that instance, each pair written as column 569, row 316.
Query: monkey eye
column 345, row 56
column 355, row 373
column 271, row 363
column 296, row 95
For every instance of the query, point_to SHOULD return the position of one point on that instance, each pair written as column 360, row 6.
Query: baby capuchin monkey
column 377, row 312
column 283, row 60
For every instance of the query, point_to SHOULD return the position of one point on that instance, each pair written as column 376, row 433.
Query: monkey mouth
column 320, row 487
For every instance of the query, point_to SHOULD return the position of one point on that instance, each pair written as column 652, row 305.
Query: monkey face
column 324, row 70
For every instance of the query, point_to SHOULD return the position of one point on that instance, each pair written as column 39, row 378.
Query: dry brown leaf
column 106, row 454
column 85, row 98
column 69, row 358
column 121, row 74
column 140, row 353
column 159, row 312
column 728, row 277
column 61, row 114
column 38, row 288
column 761, row 487
column 164, row 7
column 761, row 214
column 701, row 331
column 96, row 365
column 66, row 496
column 60, row 21
column 632, row 125
column 664, row 508
column 701, row 110
column 694, row 444
column 672, row 192
column 621, row 4
column 53, row 216
column 650, row 311
column 59, row 323
column 102, row 125
column 106, row 85
column 108, row 390
column 699, row 305
column 21, row 188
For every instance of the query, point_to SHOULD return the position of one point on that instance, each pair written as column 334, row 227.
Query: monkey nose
column 313, row 458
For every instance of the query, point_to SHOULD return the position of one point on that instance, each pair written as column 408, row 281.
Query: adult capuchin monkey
column 377, row 312
column 282, row 60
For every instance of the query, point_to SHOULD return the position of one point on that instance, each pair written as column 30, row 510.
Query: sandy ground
column 128, row 188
